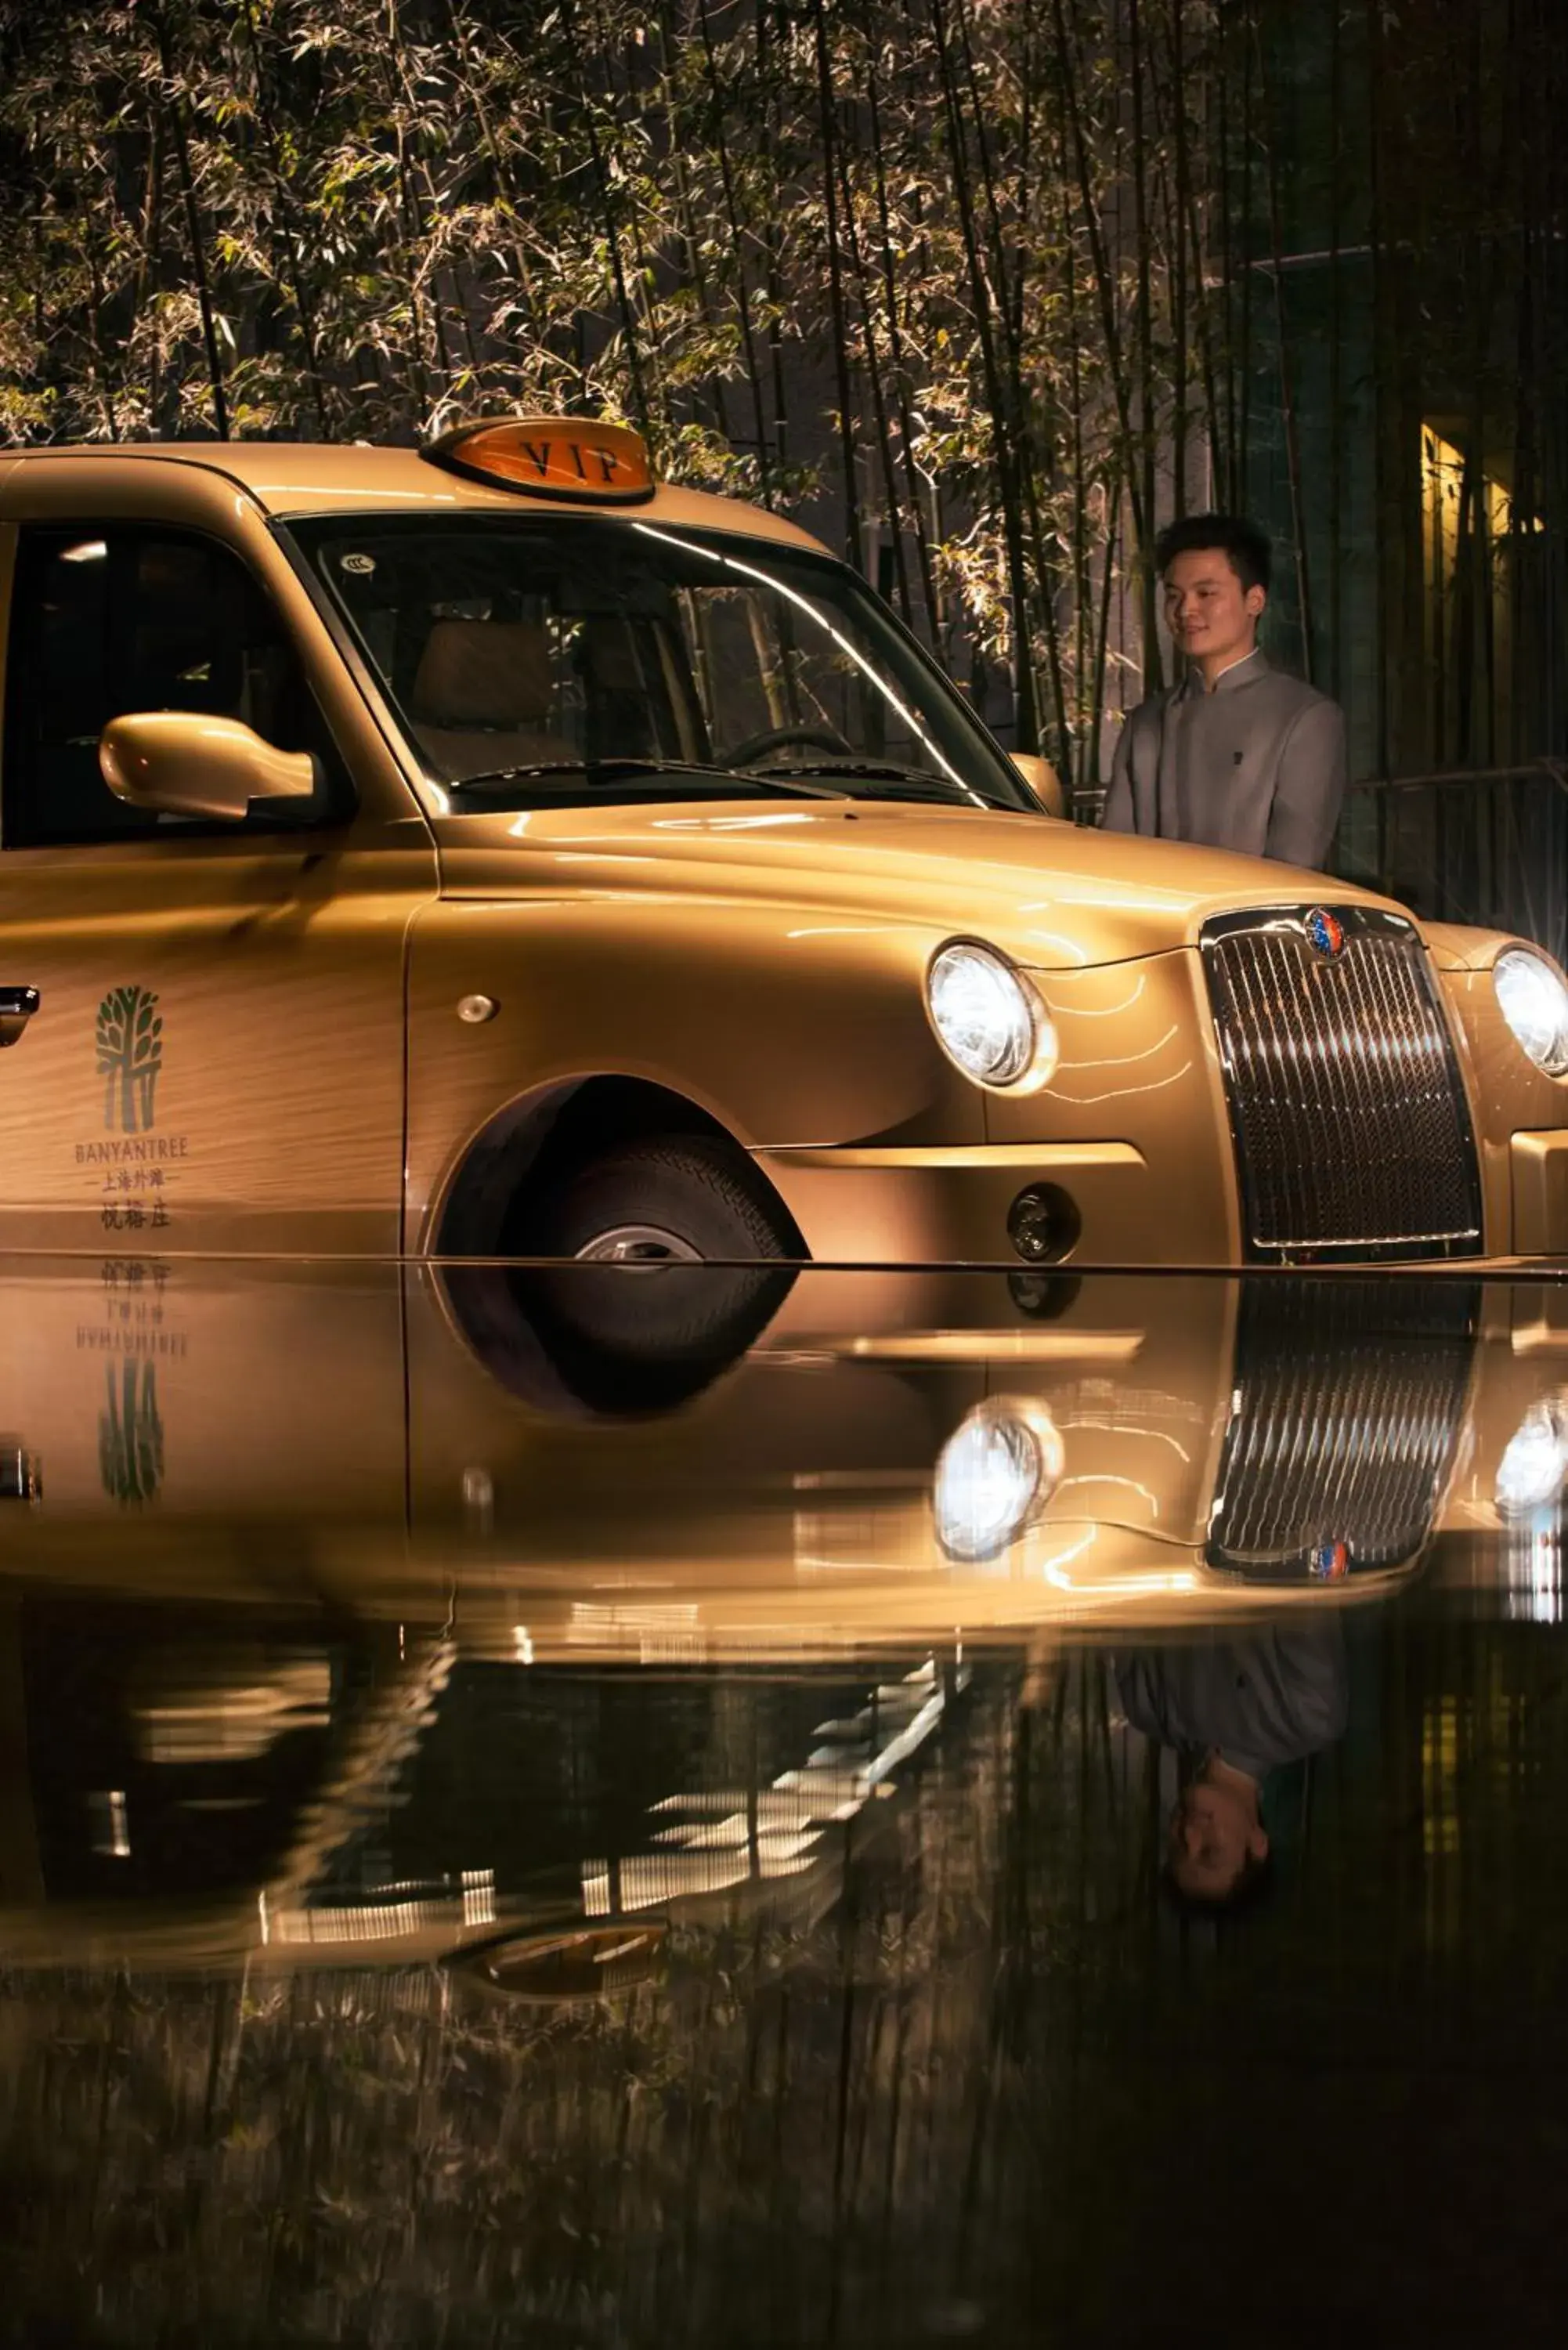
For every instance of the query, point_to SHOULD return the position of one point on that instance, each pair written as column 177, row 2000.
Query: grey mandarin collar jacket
column 1257, row 765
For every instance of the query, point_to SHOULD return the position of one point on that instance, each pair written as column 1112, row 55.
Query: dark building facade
column 1400, row 325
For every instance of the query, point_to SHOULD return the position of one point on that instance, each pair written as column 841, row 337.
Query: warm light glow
column 553, row 457
column 1443, row 505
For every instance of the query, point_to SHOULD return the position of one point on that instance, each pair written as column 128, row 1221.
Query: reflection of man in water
column 1236, row 1712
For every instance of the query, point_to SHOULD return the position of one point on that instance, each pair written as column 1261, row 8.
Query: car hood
column 1053, row 895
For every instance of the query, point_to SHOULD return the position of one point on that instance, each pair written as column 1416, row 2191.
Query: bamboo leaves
column 733, row 224
column 975, row 286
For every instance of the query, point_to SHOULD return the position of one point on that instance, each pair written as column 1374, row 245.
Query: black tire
column 701, row 1190
column 644, row 1336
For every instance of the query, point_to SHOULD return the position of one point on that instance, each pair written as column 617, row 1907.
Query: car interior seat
column 482, row 697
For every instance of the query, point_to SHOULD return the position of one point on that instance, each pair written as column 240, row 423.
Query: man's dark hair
column 1244, row 546
column 1250, row 1889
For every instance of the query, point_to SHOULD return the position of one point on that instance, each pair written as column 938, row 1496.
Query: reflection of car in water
column 351, row 1534
column 488, row 847
column 1342, row 1428
column 191, row 1789
column 755, row 1439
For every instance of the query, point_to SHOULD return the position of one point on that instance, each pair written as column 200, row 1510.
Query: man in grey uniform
column 1236, row 1711
column 1237, row 756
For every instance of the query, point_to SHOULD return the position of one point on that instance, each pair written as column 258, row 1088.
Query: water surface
column 639, row 1812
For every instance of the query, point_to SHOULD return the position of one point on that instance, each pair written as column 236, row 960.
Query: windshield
column 555, row 661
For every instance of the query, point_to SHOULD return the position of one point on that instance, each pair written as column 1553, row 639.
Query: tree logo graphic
column 130, row 1055
column 131, row 1433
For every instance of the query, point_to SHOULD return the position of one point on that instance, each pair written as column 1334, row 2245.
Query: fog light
column 999, row 1466
column 1044, row 1224
column 1045, row 1296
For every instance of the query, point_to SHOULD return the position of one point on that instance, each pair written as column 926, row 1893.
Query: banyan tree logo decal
column 130, row 1055
column 131, row 1433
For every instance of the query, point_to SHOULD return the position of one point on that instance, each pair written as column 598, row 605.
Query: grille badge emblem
column 1330, row 1562
column 1325, row 933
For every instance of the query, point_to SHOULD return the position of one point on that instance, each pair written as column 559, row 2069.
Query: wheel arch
column 529, row 1142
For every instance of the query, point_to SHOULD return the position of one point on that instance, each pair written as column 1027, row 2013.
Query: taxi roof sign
column 574, row 457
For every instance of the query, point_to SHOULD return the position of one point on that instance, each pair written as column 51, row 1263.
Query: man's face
column 1211, row 614
column 1214, row 1832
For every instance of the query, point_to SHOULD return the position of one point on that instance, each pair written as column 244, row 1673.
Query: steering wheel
column 774, row 738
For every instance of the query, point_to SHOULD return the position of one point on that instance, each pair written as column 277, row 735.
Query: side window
column 107, row 621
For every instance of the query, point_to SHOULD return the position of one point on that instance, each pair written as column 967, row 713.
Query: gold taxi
column 485, row 848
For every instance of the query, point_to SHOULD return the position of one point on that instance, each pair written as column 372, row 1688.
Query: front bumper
column 914, row 1206
column 1538, row 1165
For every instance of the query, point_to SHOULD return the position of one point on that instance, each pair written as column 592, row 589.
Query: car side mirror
column 183, row 762
column 1041, row 779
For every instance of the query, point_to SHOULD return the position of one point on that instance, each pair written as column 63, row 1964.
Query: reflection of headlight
column 1534, row 1470
column 1535, row 1004
column 998, row 1466
column 989, row 1022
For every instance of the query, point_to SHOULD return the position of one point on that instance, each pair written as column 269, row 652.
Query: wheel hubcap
column 644, row 1245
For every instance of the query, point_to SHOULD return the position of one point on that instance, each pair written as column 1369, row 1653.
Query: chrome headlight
column 998, row 1466
column 989, row 1023
column 1534, row 1470
column 1534, row 1002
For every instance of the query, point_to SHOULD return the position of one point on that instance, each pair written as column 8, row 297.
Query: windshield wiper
column 890, row 771
column 613, row 771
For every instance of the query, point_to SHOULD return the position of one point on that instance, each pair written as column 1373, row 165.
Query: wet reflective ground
column 602, row 1808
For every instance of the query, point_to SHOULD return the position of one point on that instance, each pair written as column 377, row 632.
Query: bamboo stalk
column 1227, row 494
column 1380, row 480
column 193, row 232
column 407, row 182
column 1287, row 401
column 1103, row 279
column 1026, row 722
column 772, row 284
column 101, row 373
column 1178, row 264
column 1103, row 624
column 742, row 291
column 1242, row 262
column 895, row 344
column 1335, row 352
column 878, row 403
column 1153, row 667
column 1082, row 746
column 502, row 178
column 304, row 306
column 642, row 407
column 1011, row 285
column 852, row 530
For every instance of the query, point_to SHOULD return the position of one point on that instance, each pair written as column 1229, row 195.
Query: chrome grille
column 1348, row 1114
column 1346, row 1408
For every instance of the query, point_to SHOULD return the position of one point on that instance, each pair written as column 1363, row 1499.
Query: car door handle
column 17, row 1006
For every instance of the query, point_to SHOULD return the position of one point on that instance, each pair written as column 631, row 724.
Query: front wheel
column 665, row 1289
column 682, row 1198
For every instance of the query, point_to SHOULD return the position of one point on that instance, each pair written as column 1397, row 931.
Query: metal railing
column 1486, row 845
